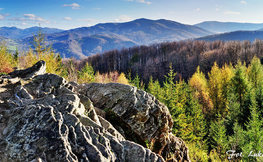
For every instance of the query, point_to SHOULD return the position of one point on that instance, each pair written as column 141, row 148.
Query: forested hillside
column 214, row 90
column 185, row 57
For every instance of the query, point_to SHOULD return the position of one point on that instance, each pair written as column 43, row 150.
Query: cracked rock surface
column 45, row 118
column 138, row 116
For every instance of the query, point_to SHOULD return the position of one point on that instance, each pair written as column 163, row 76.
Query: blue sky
column 68, row 14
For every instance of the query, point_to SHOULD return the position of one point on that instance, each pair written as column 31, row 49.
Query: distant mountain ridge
column 236, row 35
column 139, row 29
column 16, row 33
column 86, row 41
column 221, row 27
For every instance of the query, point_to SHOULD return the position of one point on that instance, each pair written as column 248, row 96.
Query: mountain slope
column 145, row 31
column 89, row 45
column 221, row 27
column 236, row 35
column 16, row 33
column 73, row 45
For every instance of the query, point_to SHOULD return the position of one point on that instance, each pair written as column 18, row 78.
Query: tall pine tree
column 241, row 89
column 215, row 89
column 199, row 85
column 254, row 133
column 217, row 137
column 255, row 75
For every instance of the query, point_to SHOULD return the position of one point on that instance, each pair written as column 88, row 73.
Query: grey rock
column 46, row 121
column 138, row 116
column 37, row 69
column 135, row 152
column 107, row 125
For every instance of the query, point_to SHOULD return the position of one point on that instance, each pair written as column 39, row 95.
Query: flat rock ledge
column 44, row 118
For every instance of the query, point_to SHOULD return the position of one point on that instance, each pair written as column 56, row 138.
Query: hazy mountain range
column 236, row 35
column 86, row 41
column 16, row 33
column 222, row 27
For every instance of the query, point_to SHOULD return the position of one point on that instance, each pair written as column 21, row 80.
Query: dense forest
column 214, row 90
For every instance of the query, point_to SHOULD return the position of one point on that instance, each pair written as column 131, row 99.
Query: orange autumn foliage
column 7, row 63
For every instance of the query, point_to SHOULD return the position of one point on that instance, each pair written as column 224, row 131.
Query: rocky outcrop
column 138, row 116
column 45, row 118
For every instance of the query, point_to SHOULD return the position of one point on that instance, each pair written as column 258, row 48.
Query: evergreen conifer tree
column 253, row 141
column 137, row 82
column 218, row 139
column 227, row 74
column 86, row 75
column 241, row 88
column 198, row 83
column 255, row 75
column 215, row 89
column 233, row 111
column 150, row 86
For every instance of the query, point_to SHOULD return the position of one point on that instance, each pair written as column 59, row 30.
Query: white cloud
column 142, row 1
column 33, row 17
column 39, row 19
column 89, row 20
column 123, row 18
column 96, row 8
column 231, row 12
column 1, row 8
column 217, row 9
column 172, row 12
column 73, row 5
column 67, row 18
column 24, row 24
column 2, row 16
column 30, row 15
column 18, row 19
column 243, row 2
column 198, row 9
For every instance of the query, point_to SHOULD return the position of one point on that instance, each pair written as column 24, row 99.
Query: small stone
column 26, row 147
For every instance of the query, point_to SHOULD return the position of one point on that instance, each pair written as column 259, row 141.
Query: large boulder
column 138, row 116
column 44, row 120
